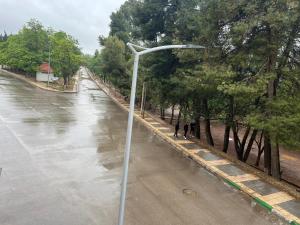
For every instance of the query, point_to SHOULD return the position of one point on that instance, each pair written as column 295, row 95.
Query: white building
column 44, row 73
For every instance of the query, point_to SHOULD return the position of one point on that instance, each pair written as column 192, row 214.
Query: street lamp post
column 137, row 54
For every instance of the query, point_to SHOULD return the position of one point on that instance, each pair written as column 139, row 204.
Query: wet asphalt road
column 61, row 159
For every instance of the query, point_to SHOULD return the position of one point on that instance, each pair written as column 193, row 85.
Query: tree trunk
column 226, row 138
column 208, row 134
column 209, row 137
column 274, row 168
column 237, row 143
column 65, row 81
column 229, row 123
column 162, row 113
column 179, row 116
column 250, row 144
column 260, row 152
column 267, row 154
column 243, row 144
column 260, row 149
column 275, row 165
column 172, row 115
column 197, row 127
column 271, row 149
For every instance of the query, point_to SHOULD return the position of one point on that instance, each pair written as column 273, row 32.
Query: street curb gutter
column 187, row 153
column 20, row 77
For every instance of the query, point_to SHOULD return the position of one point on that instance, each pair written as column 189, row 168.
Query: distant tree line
column 247, row 77
column 3, row 37
column 25, row 51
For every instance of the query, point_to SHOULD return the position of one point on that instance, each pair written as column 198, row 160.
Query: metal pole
column 78, row 80
column 142, row 102
column 49, row 63
column 128, row 141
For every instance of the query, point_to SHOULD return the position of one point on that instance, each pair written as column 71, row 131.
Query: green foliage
column 283, row 124
column 251, row 62
column 95, row 63
column 113, row 64
column 66, row 56
column 27, row 49
column 122, row 22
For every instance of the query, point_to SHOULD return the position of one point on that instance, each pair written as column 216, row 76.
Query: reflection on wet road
column 61, row 159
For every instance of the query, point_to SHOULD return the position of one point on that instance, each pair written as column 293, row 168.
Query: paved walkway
column 289, row 159
column 268, row 196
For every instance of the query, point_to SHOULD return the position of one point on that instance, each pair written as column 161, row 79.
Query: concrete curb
column 20, row 77
column 263, row 204
column 192, row 155
column 232, row 184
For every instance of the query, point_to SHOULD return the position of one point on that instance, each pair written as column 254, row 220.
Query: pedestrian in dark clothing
column 186, row 128
column 176, row 129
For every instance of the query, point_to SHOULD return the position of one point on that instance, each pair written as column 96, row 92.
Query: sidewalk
column 289, row 160
column 271, row 197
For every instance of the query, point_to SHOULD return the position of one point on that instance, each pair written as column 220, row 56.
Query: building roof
column 44, row 68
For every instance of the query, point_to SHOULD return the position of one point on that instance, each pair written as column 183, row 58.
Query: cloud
column 85, row 20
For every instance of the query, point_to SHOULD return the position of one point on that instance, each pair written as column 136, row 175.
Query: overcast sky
column 85, row 20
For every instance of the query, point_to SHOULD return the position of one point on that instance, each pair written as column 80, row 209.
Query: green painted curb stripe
column 294, row 223
column 236, row 186
column 263, row 204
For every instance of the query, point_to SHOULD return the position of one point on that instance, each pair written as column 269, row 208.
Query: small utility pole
column 143, row 103
column 49, row 63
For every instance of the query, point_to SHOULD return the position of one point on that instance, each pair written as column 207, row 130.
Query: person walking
column 176, row 129
column 186, row 128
